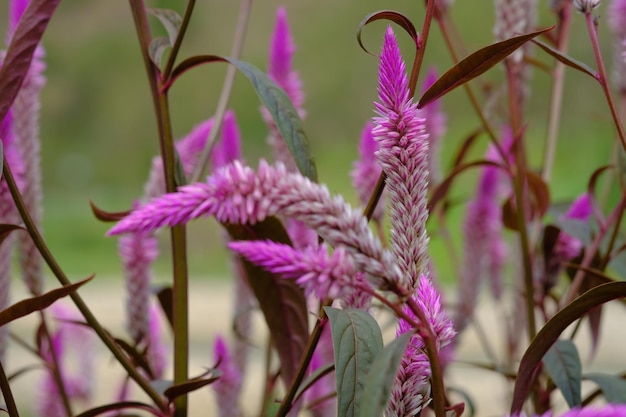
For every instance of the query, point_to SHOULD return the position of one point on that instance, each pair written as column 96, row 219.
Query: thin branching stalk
column 227, row 88
column 602, row 78
column 5, row 388
column 171, row 59
column 91, row 320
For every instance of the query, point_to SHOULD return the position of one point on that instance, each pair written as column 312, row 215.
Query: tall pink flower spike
column 26, row 111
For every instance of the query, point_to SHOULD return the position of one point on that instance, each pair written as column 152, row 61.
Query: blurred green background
column 98, row 129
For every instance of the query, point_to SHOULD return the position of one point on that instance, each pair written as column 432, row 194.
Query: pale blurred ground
column 210, row 309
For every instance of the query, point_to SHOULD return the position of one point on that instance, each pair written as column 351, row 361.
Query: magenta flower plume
column 238, row 194
column 228, row 149
column 435, row 124
column 16, row 10
column 314, row 269
column 403, row 155
column 158, row 350
column 228, row 386
column 484, row 249
column 282, row 48
column 138, row 251
column 617, row 23
column 366, row 171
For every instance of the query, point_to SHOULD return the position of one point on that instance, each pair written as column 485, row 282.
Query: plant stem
column 556, row 99
column 227, row 87
column 171, row 59
column 91, row 320
column 5, row 389
column 602, row 78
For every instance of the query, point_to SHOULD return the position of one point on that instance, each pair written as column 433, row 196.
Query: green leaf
column 157, row 48
column 282, row 301
column 170, row 20
column 40, row 302
column 396, row 17
column 275, row 100
column 553, row 328
column 474, row 65
column 613, row 387
column 569, row 61
column 563, row 365
column 357, row 340
column 381, row 377
column 19, row 55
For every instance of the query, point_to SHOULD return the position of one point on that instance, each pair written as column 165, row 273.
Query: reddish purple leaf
column 186, row 387
column 40, row 302
column 569, row 61
column 474, row 65
column 20, row 53
column 6, row 229
column 398, row 18
column 107, row 216
column 122, row 405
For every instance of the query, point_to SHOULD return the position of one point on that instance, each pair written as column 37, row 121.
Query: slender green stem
column 171, row 59
column 593, row 35
column 91, row 320
column 286, row 404
column 5, row 388
column 227, row 88
column 556, row 99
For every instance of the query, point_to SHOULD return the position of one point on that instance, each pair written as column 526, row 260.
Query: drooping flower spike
column 238, row 194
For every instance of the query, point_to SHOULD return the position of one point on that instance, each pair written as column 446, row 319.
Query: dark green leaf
column 275, row 100
column 19, row 55
column 315, row 376
column 122, row 405
column 563, row 365
column 281, row 300
column 157, row 48
column 613, row 387
column 170, row 20
column 569, row 61
column 381, row 377
column 551, row 331
column 474, row 65
column 40, row 302
column 357, row 340
column 398, row 18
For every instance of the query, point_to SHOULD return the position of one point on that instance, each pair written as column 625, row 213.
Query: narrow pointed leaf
column 281, row 300
column 540, row 193
column 186, row 387
column 595, row 319
column 122, row 405
column 315, row 376
column 19, row 55
column 40, row 302
column 107, row 216
column 613, row 387
column 381, row 377
column 357, row 340
column 157, row 48
column 475, row 65
column 391, row 15
column 166, row 301
column 553, row 328
column 563, row 365
column 170, row 20
column 274, row 99
column 569, row 61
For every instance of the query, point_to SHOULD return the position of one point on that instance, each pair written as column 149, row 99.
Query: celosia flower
column 366, row 172
column 282, row 48
column 403, row 155
column 314, row 269
column 237, row 194
column 26, row 109
column 157, row 351
column 228, row 149
column 228, row 386
column 484, row 249
column 586, row 6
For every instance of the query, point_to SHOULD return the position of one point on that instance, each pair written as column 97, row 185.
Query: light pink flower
column 399, row 130
column 228, row 386
column 228, row 149
column 157, row 350
column 237, row 194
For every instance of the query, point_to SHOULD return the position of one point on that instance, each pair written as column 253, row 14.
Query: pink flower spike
column 228, row 386
column 403, row 155
column 158, row 350
column 366, row 171
column 228, row 149
column 581, row 208
column 280, row 70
